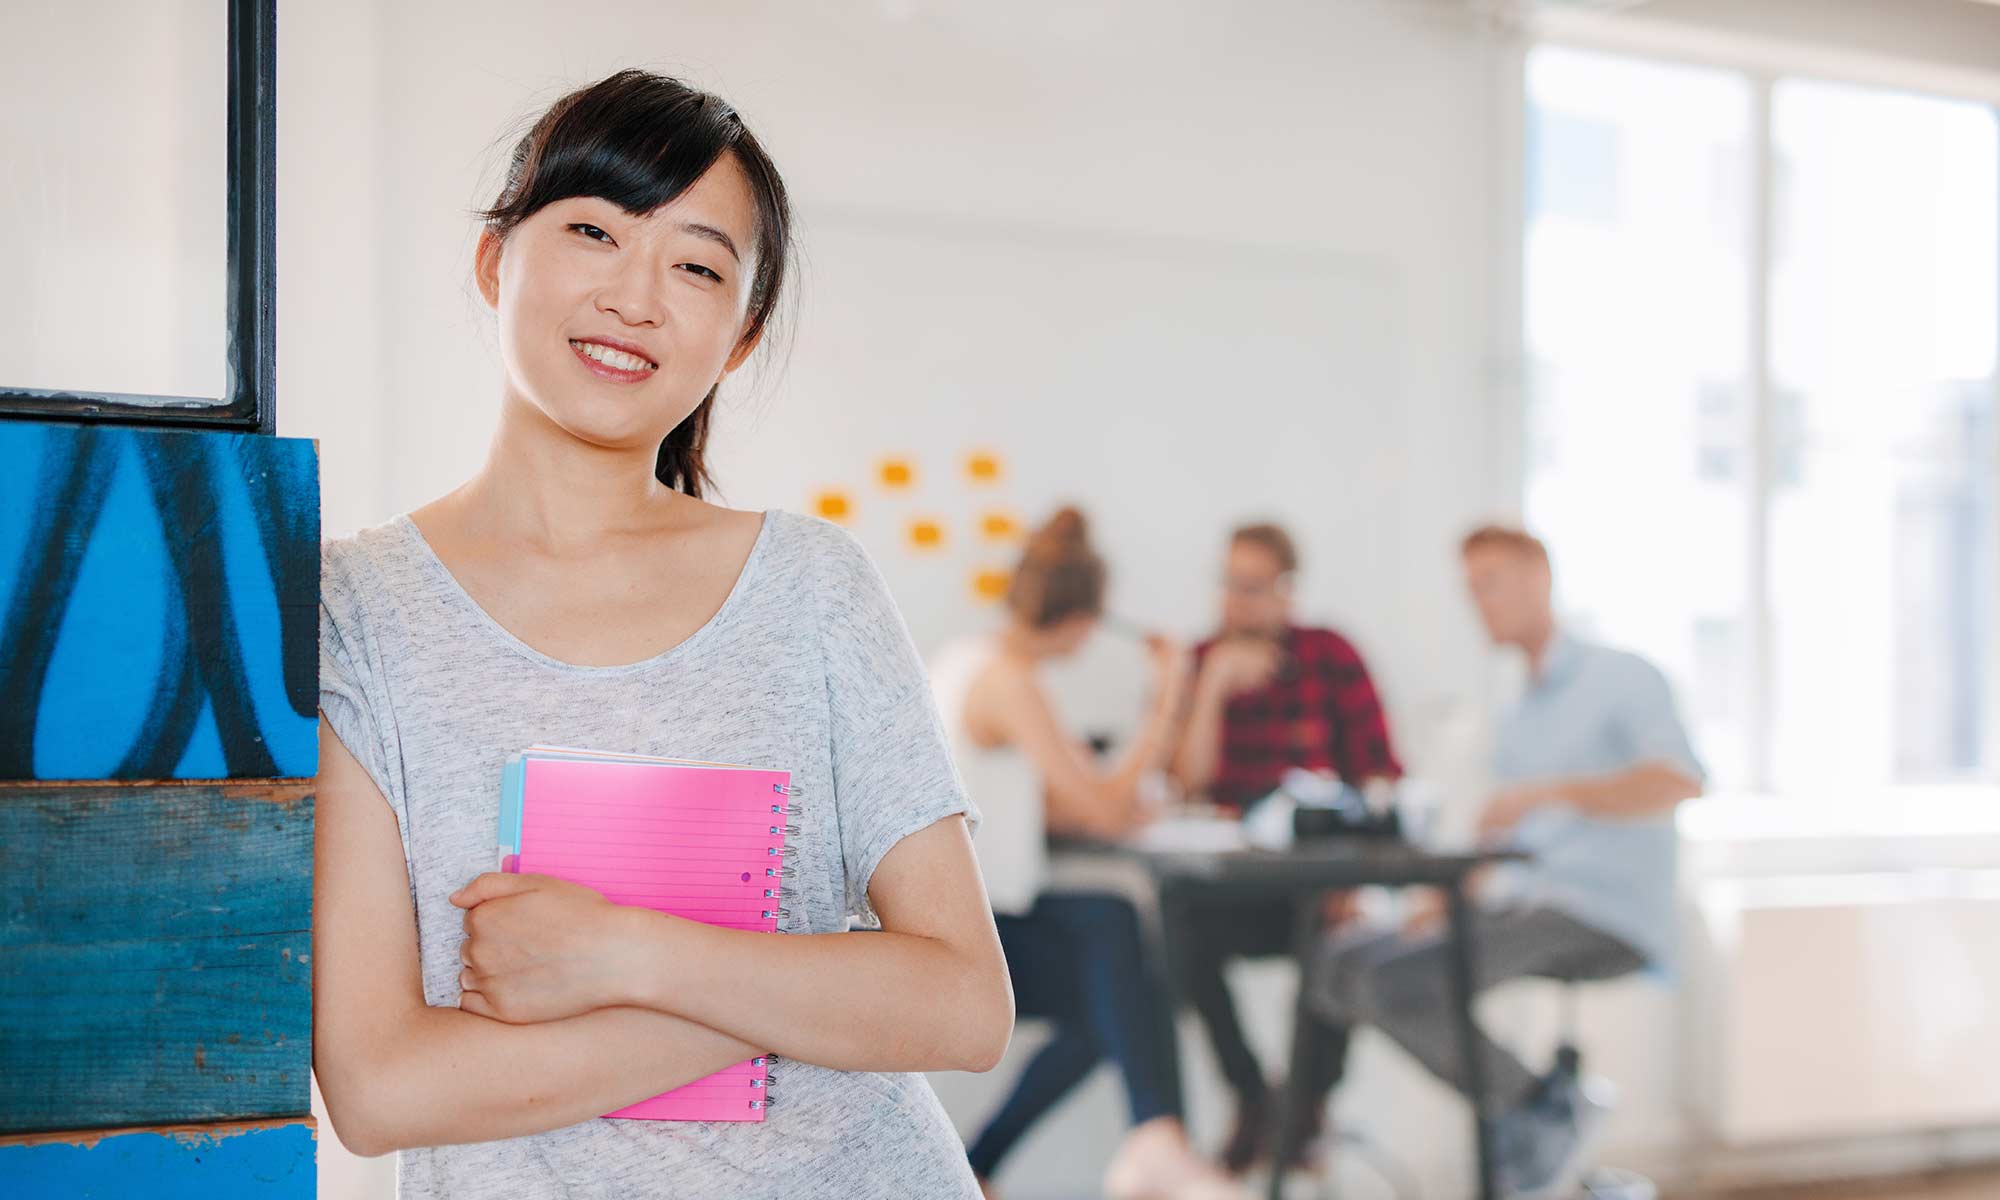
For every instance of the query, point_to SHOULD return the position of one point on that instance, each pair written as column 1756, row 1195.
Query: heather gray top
column 807, row 666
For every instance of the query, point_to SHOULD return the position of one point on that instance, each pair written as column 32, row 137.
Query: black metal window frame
column 249, row 404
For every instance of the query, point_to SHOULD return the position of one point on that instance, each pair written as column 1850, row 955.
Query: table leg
column 1305, row 937
column 1462, row 976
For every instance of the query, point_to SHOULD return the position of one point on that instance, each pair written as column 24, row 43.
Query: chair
column 1566, row 1072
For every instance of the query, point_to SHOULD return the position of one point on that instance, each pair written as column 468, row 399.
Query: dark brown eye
column 592, row 232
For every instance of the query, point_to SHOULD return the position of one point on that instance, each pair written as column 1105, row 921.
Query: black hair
column 639, row 140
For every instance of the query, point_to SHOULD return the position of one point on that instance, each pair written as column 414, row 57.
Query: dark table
column 1188, row 879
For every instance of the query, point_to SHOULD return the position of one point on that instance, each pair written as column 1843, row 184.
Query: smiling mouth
column 621, row 364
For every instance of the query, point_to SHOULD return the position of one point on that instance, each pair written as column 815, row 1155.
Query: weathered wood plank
column 159, row 604
column 155, row 953
column 260, row 1160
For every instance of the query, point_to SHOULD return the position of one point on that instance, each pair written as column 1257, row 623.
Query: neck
column 1019, row 640
column 1538, row 642
column 545, row 485
column 1269, row 633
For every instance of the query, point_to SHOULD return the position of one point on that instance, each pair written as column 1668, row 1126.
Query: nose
column 632, row 293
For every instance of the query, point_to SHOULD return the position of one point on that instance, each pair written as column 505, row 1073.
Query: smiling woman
column 619, row 209
column 579, row 591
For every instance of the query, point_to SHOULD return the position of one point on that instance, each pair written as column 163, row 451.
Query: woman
column 579, row 591
column 1075, row 958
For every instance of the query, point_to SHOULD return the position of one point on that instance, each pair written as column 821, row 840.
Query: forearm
column 1153, row 746
column 868, row 1001
column 1098, row 803
column 1201, row 740
column 1119, row 807
column 452, row 1076
column 1638, row 791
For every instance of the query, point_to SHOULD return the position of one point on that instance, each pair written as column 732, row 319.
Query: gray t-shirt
column 807, row 666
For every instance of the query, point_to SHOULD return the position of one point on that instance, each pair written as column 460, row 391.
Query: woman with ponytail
column 1075, row 958
column 580, row 591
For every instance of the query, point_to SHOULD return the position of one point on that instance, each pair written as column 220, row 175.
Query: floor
column 1978, row 1185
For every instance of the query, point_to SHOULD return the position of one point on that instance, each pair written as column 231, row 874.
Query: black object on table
column 1190, row 878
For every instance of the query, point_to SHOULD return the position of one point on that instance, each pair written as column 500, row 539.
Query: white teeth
column 613, row 358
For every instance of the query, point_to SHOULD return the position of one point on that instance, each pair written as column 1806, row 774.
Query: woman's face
column 615, row 326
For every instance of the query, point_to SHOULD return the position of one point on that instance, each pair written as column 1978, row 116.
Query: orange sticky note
column 926, row 534
column 990, row 585
column 999, row 527
column 897, row 473
column 982, row 466
column 834, row 506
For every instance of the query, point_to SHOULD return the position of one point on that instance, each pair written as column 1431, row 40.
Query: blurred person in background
column 1078, row 959
column 1269, row 696
column 1592, row 761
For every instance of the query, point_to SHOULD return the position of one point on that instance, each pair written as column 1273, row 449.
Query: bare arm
column 398, row 1073
column 1640, row 790
column 1081, row 797
column 1200, row 749
column 928, row 992
column 1637, row 791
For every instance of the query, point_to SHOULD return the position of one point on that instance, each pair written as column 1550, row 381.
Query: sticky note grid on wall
column 158, row 737
column 922, row 515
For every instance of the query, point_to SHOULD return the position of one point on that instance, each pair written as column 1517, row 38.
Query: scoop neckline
column 465, row 600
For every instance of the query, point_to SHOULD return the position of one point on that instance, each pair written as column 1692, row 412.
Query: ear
column 486, row 267
column 743, row 350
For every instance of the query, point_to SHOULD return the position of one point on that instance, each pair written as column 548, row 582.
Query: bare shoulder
column 996, row 700
column 1005, row 684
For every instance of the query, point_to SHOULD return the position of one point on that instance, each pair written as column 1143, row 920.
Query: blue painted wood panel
column 155, row 953
column 159, row 604
column 251, row 1161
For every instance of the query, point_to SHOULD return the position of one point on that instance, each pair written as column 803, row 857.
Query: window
column 1637, row 340
column 1789, row 506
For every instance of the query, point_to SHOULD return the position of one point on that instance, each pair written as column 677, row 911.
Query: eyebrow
column 712, row 234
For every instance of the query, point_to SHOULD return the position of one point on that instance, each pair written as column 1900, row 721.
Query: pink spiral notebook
column 705, row 841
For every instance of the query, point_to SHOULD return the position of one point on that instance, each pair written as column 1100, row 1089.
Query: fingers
column 467, row 980
column 491, row 885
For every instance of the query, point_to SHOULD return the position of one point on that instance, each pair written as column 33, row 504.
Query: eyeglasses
column 1252, row 589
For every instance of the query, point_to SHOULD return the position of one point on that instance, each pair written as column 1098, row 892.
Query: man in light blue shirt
column 1591, row 761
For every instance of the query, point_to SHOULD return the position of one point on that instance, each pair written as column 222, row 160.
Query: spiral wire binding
column 786, row 870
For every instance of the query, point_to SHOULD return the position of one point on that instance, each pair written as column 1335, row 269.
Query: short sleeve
column 1653, row 724
column 348, row 681
column 892, row 768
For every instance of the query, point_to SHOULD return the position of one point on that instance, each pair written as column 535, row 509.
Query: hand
column 538, row 948
column 1241, row 664
column 1423, row 915
column 1338, row 908
column 1508, row 807
column 1171, row 663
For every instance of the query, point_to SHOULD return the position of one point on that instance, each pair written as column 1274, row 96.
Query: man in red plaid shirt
column 1268, row 696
